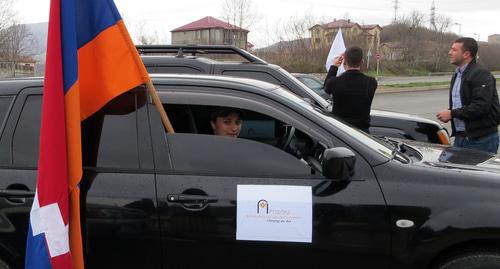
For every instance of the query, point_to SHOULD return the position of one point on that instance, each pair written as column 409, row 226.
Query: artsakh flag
column 90, row 60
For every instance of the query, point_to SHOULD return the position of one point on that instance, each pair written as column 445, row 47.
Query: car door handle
column 191, row 199
column 16, row 194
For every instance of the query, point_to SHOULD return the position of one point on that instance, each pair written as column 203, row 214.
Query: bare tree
column 17, row 44
column 144, row 36
column 6, row 15
column 241, row 13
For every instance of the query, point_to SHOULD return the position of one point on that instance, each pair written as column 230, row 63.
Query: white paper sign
column 274, row 213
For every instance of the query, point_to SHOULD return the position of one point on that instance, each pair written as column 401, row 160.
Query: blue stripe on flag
column 37, row 254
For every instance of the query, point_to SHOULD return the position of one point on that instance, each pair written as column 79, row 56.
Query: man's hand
column 444, row 115
column 337, row 61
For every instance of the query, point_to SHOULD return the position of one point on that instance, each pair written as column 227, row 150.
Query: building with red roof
column 210, row 31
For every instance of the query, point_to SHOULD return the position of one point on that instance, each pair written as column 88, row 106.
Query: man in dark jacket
column 474, row 107
column 352, row 92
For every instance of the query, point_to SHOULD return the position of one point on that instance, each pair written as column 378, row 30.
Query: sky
column 158, row 17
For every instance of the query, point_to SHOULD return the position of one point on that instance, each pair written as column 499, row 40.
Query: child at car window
column 226, row 121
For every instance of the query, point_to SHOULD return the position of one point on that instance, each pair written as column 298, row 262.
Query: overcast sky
column 477, row 18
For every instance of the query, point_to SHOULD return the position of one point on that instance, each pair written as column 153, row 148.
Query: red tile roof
column 207, row 23
column 339, row 24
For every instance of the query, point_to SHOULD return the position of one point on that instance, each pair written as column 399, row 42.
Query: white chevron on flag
column 48, row 220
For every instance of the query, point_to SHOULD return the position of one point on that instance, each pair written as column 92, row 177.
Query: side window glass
column 249, row 138
column 225, row 156
column 4, row 108
column 110, row 136
column 25, row 145
column 262, row 76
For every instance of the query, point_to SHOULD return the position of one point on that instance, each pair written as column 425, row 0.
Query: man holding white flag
column 337, row 49
column 352, row 92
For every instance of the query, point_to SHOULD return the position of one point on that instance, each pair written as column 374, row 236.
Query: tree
column 241, row 13
column 16, row 45
column 145, row 37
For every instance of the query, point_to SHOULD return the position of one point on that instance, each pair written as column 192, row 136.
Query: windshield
column 311, row 83
column 312, row 94
column 362, row 137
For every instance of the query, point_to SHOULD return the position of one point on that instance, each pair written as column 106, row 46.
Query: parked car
column 155, row 200
column 210, row 59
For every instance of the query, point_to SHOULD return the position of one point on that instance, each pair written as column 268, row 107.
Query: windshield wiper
column 397, row 148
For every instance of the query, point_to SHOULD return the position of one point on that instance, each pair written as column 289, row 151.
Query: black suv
column 232, row 61
column 155, row 200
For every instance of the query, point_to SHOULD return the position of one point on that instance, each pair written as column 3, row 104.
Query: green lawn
column 417, row 84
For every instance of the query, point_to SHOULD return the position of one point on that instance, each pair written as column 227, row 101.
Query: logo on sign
column 262, row 205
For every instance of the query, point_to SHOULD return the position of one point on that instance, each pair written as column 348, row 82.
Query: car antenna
column 180, row 53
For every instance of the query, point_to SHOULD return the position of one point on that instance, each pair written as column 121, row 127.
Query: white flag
column 338, row 47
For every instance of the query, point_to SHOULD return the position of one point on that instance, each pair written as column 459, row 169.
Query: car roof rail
column 194, row 50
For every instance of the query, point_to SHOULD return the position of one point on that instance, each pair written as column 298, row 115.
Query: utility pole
column 396, row 7
column 433, row 16
column 459, row 28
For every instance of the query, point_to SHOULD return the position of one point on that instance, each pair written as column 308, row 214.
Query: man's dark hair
column 354, row 56
column 224, row 112
column 468, row 44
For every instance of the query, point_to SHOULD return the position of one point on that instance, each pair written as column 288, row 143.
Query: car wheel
column 4, row 265
column 474, row 260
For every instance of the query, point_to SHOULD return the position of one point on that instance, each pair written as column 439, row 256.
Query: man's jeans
column 487, row 143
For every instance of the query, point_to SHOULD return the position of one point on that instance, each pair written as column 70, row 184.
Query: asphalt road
column 422, row 103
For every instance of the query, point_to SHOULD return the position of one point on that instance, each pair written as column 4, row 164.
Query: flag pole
column 159, row 106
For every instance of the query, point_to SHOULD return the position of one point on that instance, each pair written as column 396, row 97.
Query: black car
column 232, row 61
column 155, row 200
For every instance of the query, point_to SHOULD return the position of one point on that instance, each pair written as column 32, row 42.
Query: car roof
column 14, row 85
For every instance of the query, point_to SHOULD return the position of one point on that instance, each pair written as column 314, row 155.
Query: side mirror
column 338, row 163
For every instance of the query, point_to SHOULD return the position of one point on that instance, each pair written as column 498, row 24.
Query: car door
column 118, row 199
column 198, row 177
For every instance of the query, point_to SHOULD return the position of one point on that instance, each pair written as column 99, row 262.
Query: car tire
column 4, row 265
column 473, row 260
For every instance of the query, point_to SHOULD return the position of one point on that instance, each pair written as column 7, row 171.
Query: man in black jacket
column 352, row 92
column 474, row 107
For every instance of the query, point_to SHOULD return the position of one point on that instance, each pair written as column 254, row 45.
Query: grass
column 421, row 84
column 417, row 84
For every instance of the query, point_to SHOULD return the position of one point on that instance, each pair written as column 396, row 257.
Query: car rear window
column 4, row 108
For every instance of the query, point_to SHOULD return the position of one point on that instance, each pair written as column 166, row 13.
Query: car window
column 111, row 133
column 5, row 103
column 263, row 140
column 262, row 76
column 311, row 83
column 110, row 136
column 175, row 69
column 226, row 156
column 25, row 144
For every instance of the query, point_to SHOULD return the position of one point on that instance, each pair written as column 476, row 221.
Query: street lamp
column 459, row 28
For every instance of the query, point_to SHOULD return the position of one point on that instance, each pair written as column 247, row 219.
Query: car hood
column 455, row 158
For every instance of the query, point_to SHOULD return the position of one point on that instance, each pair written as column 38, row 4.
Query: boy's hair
column 224, row 112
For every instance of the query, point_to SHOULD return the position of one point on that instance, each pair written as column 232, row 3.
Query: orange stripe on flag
column 74, row 153
column 108, row 66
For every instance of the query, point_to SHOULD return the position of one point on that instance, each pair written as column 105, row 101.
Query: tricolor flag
column 90, row 60
column 338, row 47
